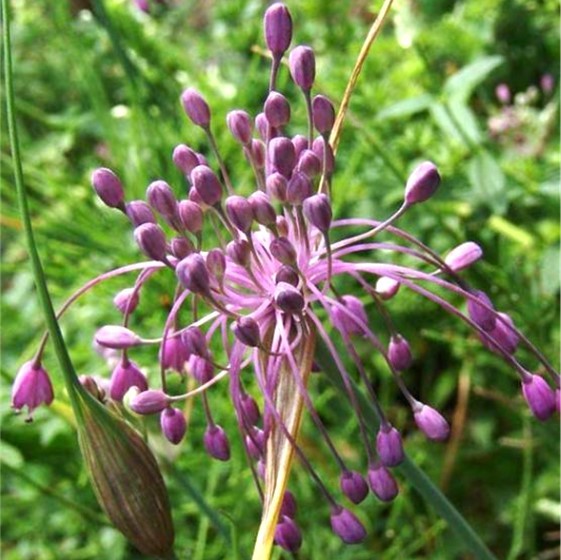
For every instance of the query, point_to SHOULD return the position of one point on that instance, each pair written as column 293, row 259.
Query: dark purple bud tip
column 483, row 317
column 126, row 375
column 160, row 196
column 149, row 402
column 463, row 255
column 282, row 155
column 539, row 396
column 216, row 443
column 299, row 188
column 317, row 210
column 399, row 353
column 277, row 25
column 241, row 127
column 277, row 110
column 353, row 486
column 289, row 505
column 386, row 287
column 196, row 107
column 382, row 483
column 239, row 251
column 117, row 337
column 288, row 535
column 349, row 321
column 288, row 298
column 152, row 241
column 126, row 300
column 195, row 341
column 139, row 213
column 422, row 183
column 246, row 330
column 302, row 64
column 108, row 187
column 431, row 422
column 504, row 338
column 185, row 159
column 239, row 212
column 389, row 446
column 262, row 209
column 346, row 526
column 191, row 216
column 323, row 113
column 193, row 274
column 32, row 387
column 283, row 250
column 173, row 424
column 206, row 184
column 173, row 353
column 287, row 274
column 250, row 409
column 255, row 443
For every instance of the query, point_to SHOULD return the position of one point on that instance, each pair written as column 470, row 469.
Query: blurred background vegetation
column 97, row 83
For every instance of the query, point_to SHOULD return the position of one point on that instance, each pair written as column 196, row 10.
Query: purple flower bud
column 149, row 402
column 283, row 250
column 194, row 341
column 173, row 424
column 262, row 125
column 502, row 91
column 389, row 446
column 32, row 387
column 282, row 155
column 539, row 396
column 347, row 526
column 200, row 368
column 193, row 274
column 246, row 330
column 506, row 339
column 276, row 186
column 108, row 187
column 91, row 385
column 124, row 376
column 240, row 125
column 382, row 483
column 115, row 336
column 255, row 443
column 463, row 255
column 302, row 64
column 161, row 198
column 288, row 298
column 282, row 226
column 317, row 210
column 216, row 263
column 152, row 241
column 353, row 486
column 309, row 164
column 547, row 83
column 300, row 143
column 196, row 107
column 345, row 322
column 289, row 506
column 431, row 422
column 216, row 443
column 288, row 535
column 126, row 299
column 258, row 153
column 298, row 189
column 386, row 287
column 287, row 274
column 142, row 5
column 206, row 184
column 240, row 212
column 139, row 213
column 173, row 353
column 422, row 183
column 239, row 251
column 250, row 409
column 277, row 25
column 323, row 113
column 320, row 147
column 262, row 208
column 399, row 353
column 277, row 110
column 181, row 247
column 481, row 316
column 191, row 216
column 185, row 159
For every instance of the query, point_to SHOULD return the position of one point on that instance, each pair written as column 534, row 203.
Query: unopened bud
column 193, row 274
column 282, row 155
column 115, row 336
column 191, row 216
column 289, row 506
column 195, row 341
column 386, row 287
column 240, row 125
column 300, row 143
column 483, row 317
column 276, row 186
column 349, row 322
column 288, row 535
column 126, row 375
column 108, row 187
column 206, row 184
column 287, row 274
column 277, row 25
column 463, row 255
column 504, row 337
column 262, row 208
column 239, row 251
column 250, row 409
column 126, row 300
column 323, row 113
column 173, row 353
column 185, row 159
column 389, row 446
column 539, row 396
column 152, row 241
column 347, row 526
column 422, row 183
column 324, row 151
column 200, row 368
column 239, row 212
column 302, row 64
column 196, row 107
column 431, row 422
column 32, row 387
column 298, row 189
column 382, row 483
column 216, row 443
column 173, row 424
column 353, row 486
column 139, row 213
column 277, row 110
column 308, row 163
column 317, row 210
column 149, row 402
column 246, row 330
column 288, row 298
column 181, row 247
column 216, row 263
column 160, row 196
column 399, row 353
column 283, row 250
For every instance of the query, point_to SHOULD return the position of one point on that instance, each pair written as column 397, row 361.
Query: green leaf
column 488, row 182
column 406, row 107
column 461, row 85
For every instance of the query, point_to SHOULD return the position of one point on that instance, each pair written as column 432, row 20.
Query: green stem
column 417, row 478
column 71, row 380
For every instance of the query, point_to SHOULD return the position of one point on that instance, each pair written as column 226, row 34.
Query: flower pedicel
column 271, row 290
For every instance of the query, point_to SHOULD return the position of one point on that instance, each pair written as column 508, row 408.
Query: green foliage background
column 101, row 87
